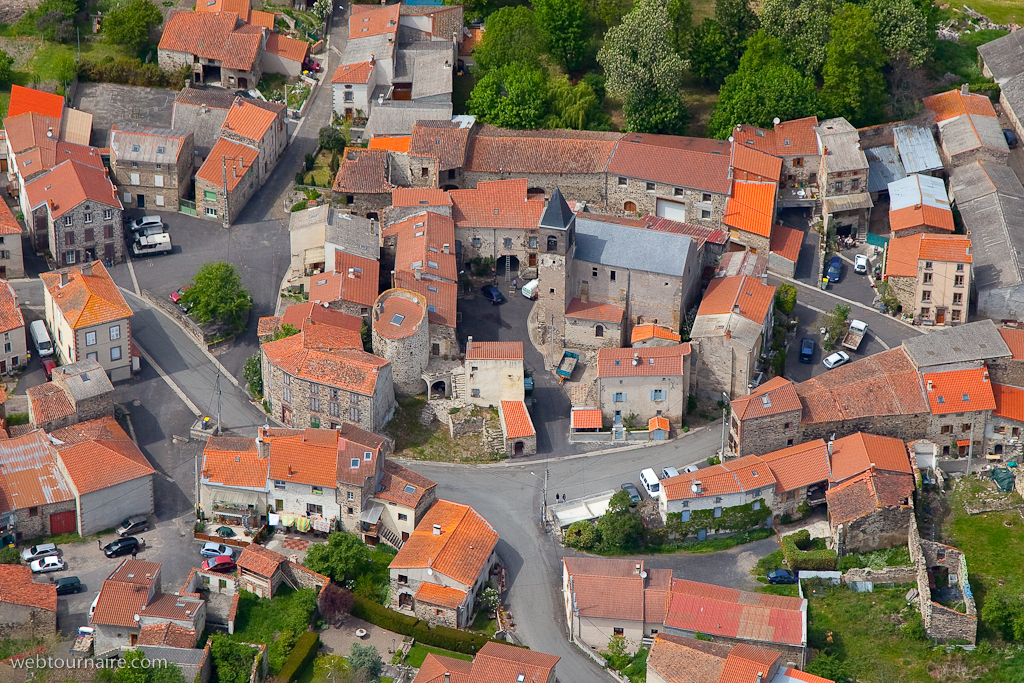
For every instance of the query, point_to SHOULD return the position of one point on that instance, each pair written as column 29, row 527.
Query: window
column 533, row 243
column 599, row 331
column 508, row 242
column 367, row 456
column 115, row 353
column 956, row 316
column 69, row 238
column 349, row 495
column 108, row 214
column 115, row 332
column 798, row 162
column 317, row 490
column 333, row 409
column 353, row 414
column 704, row 213
column 279, row 485
column 402, row 517
column 439, row 612
column 476, row 393
column 402, row 578
column 927, row 278
column 314, row 509
column 278, row 504
column 926, row 295
column 657, row 394
column 108, row 232
column 87, row 216
column 93, row 356
column 476, row 242
column 90, row 235
column 927, row 265
column 966, row 427
column 958, row 280
column 552, row 243
column 135, row 178
column 349, row 95
column 925, row 312
column 718, row 499
column 622, row 182
column 424, row 171
column 158, row 180
column 677, row 192
column 839, row 186
column 618, row 632
column 135, row 164
column 69, row 258
column 90, row 338
column 33, row 512
column 212, row 212
column 354, row 463
column 650, row 187
column 67, row 220
column 7, row 347
column 593, row 272
column 209, row 195
column 314, row 403
column 946, row 429
column 855, row 184
column 958, row 298
column 705, row 197
column 353, row 399
column 618, row 397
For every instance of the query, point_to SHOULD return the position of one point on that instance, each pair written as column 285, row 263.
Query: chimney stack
column 760, row 677
column 444, row 248
column 636, row 569
column 965, row 89
column 469, row 343
column 930, row 385
column 87, row 269
column 696, row 487
column 65, row 278
column 437, row 529
column 352, row 273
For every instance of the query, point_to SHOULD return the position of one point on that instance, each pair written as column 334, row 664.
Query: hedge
column 438, row 636
column 735, row 518
column 302, row 654
column 810, row 560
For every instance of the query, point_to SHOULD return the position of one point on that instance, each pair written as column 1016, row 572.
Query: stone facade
column 271, row 145
column 583, row 333
column 108, row 343
column 155, row 185
column 33, row 522
column 1006, row 371
column 501, row 243
column 173, row 61
column 439, row 615
column 84, row 233
column 724, row 364
column 885, row 528
column 759, row 244
column 406, row 582
column 407, row 349
column 941, row 622
column 12, row 262
column 366, row 204
column 24, row 622
column 760, row 435
column 947, row 430
column 905, row 291
column 554, row 291
column 583, row 187
column 980, row 153
column 210, row 201
column 639, row 196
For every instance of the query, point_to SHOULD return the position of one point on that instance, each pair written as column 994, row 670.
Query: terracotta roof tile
column 37, row 101
column 515, row 420
column 441, row 140
column 363, row 171
column 798, row 466
column 233, row 461
column 240, row 160
column 305, row 457
column 913, row 217
column 955, row 248
column 426, row 242
column 17, row 588
column 734, row 476
column 348, row 369
column 441, row 297
column 674, row 160
column 48, row 402
column 87, row 300
column 593, row 310
column 867, row 493
column 242, row 8
column 959, row 391
column 746, row 662
column 657, row 423
column 28, row 473
column 501, row 663
column 725, row 294
column 953, row 103
column 10, row 313
column 98, row 454
column 169, row 634
column 902, row 255
column 714, row 610
column 1009, row 402
column 777, row 395
column 798, row 675
column 359, row 289
column 212, row 35
column 856, row 453
column 751, row 207
column 8, row 223
column 356, row 449
column 460, row 551
column 69, row 184
column 396, row 480
column 286, row 47
column 756, row 162
column 539, row 151
column 788, row 138
column 367, row 21
column 586, row 418
column 652, row 331
column 119, row 603
column 443, row 596
column 259, row 560
column 398, row 317
column 297, row 315
column 29, row 130
column 495, row 351
column 653, row 360
column 441, row 669
column 1015, row 340
column 420, row 196
column 786, row 242
column 496, row 204
column 248, row 120
column 395, row 143
column 358, row 72
column 685, row 660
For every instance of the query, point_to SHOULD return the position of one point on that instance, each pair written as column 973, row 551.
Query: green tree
column 803, row 26
column 563, row 24
column 609, row 13
column 130, row 21
column 365, row 658
column 581, row 535
column 620, row 529
column 680, row 12
column 512, row 36
column 853, row 83
column 63, row 68
column 252, row 373
column 6, row 67
column 489, row 600
column 217, row 295
column 785, row 298
column 708, row 53
column 343, row 558
column 232, row 662
column 828, row 666
column 322, row 10
column 332, row 139
column 834, row 324
column 575, row 106
column 764, row 86
column 737, row 20
column 644, row 71
column 902, row 29
column 514, row 96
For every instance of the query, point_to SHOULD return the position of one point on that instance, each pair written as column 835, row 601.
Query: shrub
column 300, row 205
column 785, row 298
column 691, row 404
column 9, row 555
column 581, row 535
column 714, row 460
column 736, row 518
column 252, row 372
column 129, row 72
column 779, row 363
column 300, row 178
column 17, row 419
column 232, row 662
column 816, row 559
column 304, row 652
column 438, row 636
column 335, row 601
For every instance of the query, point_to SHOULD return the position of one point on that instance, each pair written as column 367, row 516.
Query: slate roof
column 212, row 35
column 571, row 152
column 840, row 144
column 737, row 614
column 363, row 171
column 652, row 361
column 621, row 246
column 459, row 552
column 496, row 204
column 431, row 73
column 866, row 494
column 959, row 391
column 974, row 341
column 777, row 395
column 443, row 140
column 674, row 160
column 557, row 215
column 974, row 131
column 201, row 111
column 397, row 117
column 98, row 454
column 87, row 300
column 157, row 145
column 859, row 452
column 83, row 379
column 18, row 588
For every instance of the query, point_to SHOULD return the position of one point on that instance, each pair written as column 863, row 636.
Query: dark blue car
column 492, row 294
column 806, row 350
column 835, row 267
column 783, row 576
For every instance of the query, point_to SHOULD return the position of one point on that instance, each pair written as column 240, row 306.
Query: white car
column 836, row 359
column 669, row 472
column 216, row 550
column 92, row 607
column 48, row 564
column 860, row 263
column 38, row 551
column 690, row 468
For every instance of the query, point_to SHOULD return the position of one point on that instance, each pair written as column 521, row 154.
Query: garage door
column 63, row 522
column 674, row 211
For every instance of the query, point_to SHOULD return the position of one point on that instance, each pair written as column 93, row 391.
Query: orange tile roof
column 360, row 289
column 502, row 663
column 398, row 318
column 953, row 103
column 801, row 465
column 867, row 493
column 8, row 223
column 355, row 443
column 119, row 603
column 653, row 360
column 441, row 669
column 305, row 456
column 684, row 660
column 495, row 351
column 426, row 242
column 603, row 592
column 516, row 420
column 736, row 614
column 805, row 677
column 260, row 560
column 902, row 255
column 29, row 130
column 397, row 143
column 1015, row 340
column 87, row 300
column 586, row 418
column 10, row 313
column 724, row 294
column 348, row 369
column 746, row 662
column 657, row 423
column 460, row 551
column 916, row 216
column 1009, row 402
column 496, row 204
column 358, row 72
column 445, row 141
column 18, row 588
column 420, row 196
column 233, row 461
column 99, row 454
column 441, row 297
column 777, row 395
column 28, row 473
column 674, row 160
column 751, row 207
column 858, row 452
column 955, row 248
column 367, row 21
column 786, row 242
column 37, row 101
column 652, row 331
column 395, row 479
column 959, row 391
column 248, row 120
column 47, row 403
column 169, row 634
column 287, row 47
column 734, row 476
column 363, row 171
column 594, row 310
column 212, row 35
column 788, row 138
column 69, row 184
column 443, row 596
column 297, row 315
column 240, row 160
column 755, row 162
column 541, row 151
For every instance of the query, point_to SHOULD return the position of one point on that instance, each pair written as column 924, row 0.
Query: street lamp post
column 725, row 404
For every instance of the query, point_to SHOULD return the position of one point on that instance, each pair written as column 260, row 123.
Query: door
column 142, row 201
column 63, row 522
column 674, row 211
column 533, row 260
column 243, row 83
column 3, row 367
column 940, row 316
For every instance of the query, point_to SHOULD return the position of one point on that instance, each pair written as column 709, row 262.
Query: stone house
column 404, row 497
column 494, row 372
column 930, row 275
column 36, row 499
column 870, row 512
column 302, row 473
column 78, row 206
column 233, row 481
column 226, row 180
column 401, row 333
column 284, row 55
column 961, row 403
column 360, row 462
column 27, row 609
column 498, row 220
column 444, row 565
column 77, row 392
column 735, row 482
column 365, row 180
column 216, row 47
column 733, row 329
column 796, row 143
column 318, row 232
column 88, row 317
column 751, row 208
column 261, row 125
column 1009, row 368
column 244, row 10
column 350, row 285
column 557, row 239
column 12, row 329
column 1000, row 61
column 843, row 178
column 969, row 129
column 767, row 419
column 653, row 335
column 643, row 383
column 676, row 659
column 1003, row 432
column 152, row 167
column 439, row 147
column 353, row 84
column 517, row 429
column 12, row 264
column 917, row 150
column 802, row 474
column 917, row 204
column 201, row 111
column 262, row 571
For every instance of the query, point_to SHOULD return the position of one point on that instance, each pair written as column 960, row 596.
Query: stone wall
column 304, row 578
column 905, row 291
column 959, row 428
column 724, row 365
column 701, row 207
column 409, row 354
column 904, row 427
column 1006, row 371
column 780, row 265
column 986, row 154
column 884, row 575
column 757, row 436
column 941, row 622
column 885, row 528
column 582, row 333
column 363, row 204
column 175, row 179
column 587, row 187
column 33, row 522
column 86, row 232
column 23, row 622
column 437, row 614
column 759, row 244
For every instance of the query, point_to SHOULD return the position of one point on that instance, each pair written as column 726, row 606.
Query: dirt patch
column 13, row 10
column 21, row 49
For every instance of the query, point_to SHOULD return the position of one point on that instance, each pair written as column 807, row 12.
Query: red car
column 309, row 64
column 221, row 563
column 48, row 367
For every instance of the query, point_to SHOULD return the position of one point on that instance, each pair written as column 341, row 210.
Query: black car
column 806, row 350
column 1011, row 138
column 835, row 269
column 634, row 493
column 492, row 294
column 122, row 546
column 781, row 576
column 68, row 585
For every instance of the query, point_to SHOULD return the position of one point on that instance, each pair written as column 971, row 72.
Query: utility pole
column 725, row 399
column 544, row 504
column 224, row 185
column 218, row 401
column 970, row 451
column 198, row 506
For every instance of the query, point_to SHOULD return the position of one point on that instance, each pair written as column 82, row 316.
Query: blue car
column 492, row 294
column 806, row 350
column 835, row 267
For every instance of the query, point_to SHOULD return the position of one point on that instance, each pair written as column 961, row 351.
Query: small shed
column 658, row 428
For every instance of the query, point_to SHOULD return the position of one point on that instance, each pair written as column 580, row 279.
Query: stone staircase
column 494, row 439
column 390, row 537
column 459, row 386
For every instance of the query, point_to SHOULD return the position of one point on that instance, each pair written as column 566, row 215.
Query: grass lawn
column 16, row 646
column 999, row 11
column 961, row 58
column 419, row 652
column 418, row 442
column 277, row 622
column 484, row 624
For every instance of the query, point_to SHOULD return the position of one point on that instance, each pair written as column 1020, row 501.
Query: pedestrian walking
column 99, row 544
column 135, row 553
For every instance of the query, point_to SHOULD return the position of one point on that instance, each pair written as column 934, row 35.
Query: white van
column 41, row 338
column 650, row 482
column 147, row 245
column 530, row 289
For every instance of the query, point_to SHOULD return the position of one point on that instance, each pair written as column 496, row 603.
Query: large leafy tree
column 514, row 96
column 609, row 13
column 366, row 659
column 708, row 53
column 764, row 86
column 737, row 20
column 803, row 26
column 853, row 83
column 6, row 67
column 129, row 22
column 563, row 24
column 644, row 71
column 902, row 29
column 512, row 36
column 575, row 106
column 343, row 558
column 619, row 528
column 217, row 294
column 680, row 12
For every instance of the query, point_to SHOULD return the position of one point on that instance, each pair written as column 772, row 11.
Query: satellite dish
column 136, row 617
column 643, row 575
column 430, row 572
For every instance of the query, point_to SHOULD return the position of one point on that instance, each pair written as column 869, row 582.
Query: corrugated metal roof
column 28, row 473
column 918, row 189
column 884, row 167
column 917, row 149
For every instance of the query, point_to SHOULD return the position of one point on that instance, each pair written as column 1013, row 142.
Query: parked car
column 224, row 563
column 310, row 64
column 92, row 607
column 492, row 294
column 48, row 564
column 39, row 551
column 1011, row 138
column 634, row 493
column 669, row 472
column 650, row 482
column 860, row 264
column 147, row 222
column 122, row 546
column 48, row 367
column 781, row 576
column 836, row 359
column 40, row 338
column 132, row 525
column 66, row 585
column 176, row 298
column 806, row 350
column 212, row 549
column 690, row 468
column 149, row 231
column 835, row 269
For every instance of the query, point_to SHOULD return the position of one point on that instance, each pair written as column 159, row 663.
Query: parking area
column 110, row 103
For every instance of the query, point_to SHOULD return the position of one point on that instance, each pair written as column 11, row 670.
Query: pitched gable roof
column 493, row 149
column 1009, row 402
column 674, row 160
column 736, row 614
column 445, row 141
column 324, row 360
column 496, row 204
column 651, row 331
column 685, row 660
column 29, row 475
column 37, row 101
column 401, row 485
column 502, row 663
column 367, row 21
column 801, row 465
column 363, row 171
column 249, row 120
column 958, row 391
column 751, row 207
column 260, row 560
column 288, row 48
column 1014, row 339
column 355, row 280
column 777, row 395
column 460, row 551
column 98, row 454
column 859, row 452
column 212, row 35
column 740, row 295
column 902, row 255
column 358, row 72
column 234, row 461
column 495, row 351
column 240, row 160
column 10, row 313
column 741, row 475
column 651, row 361
column 87, row 300
column 69, row 184
column 18, row 588
column 867, row 493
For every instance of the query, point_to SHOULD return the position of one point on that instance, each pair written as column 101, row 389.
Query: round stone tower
column 400, row 335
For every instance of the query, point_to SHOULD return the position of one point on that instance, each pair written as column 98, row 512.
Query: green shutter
column 210, row 195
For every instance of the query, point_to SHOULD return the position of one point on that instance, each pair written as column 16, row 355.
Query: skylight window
column 418, row 234
column 431, row 288
column 941, row 399
column 135, row 148
column 966, row 398
column 159, row 150
column 397, row 319
column 410, row 489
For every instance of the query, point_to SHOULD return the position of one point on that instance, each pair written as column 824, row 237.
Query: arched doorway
column 518, row 448
column 448, row 188
column 599, row 331
column 552, row 243
column 507, row 266
column 629, row 207
column 372, row 216
column 535, row 192
column 438, row 388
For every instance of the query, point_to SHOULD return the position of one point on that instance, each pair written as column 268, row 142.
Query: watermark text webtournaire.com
column 41, row 662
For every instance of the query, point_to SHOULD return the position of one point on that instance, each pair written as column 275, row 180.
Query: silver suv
column 133, row 525
column 147, row 222
column 37, row 552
